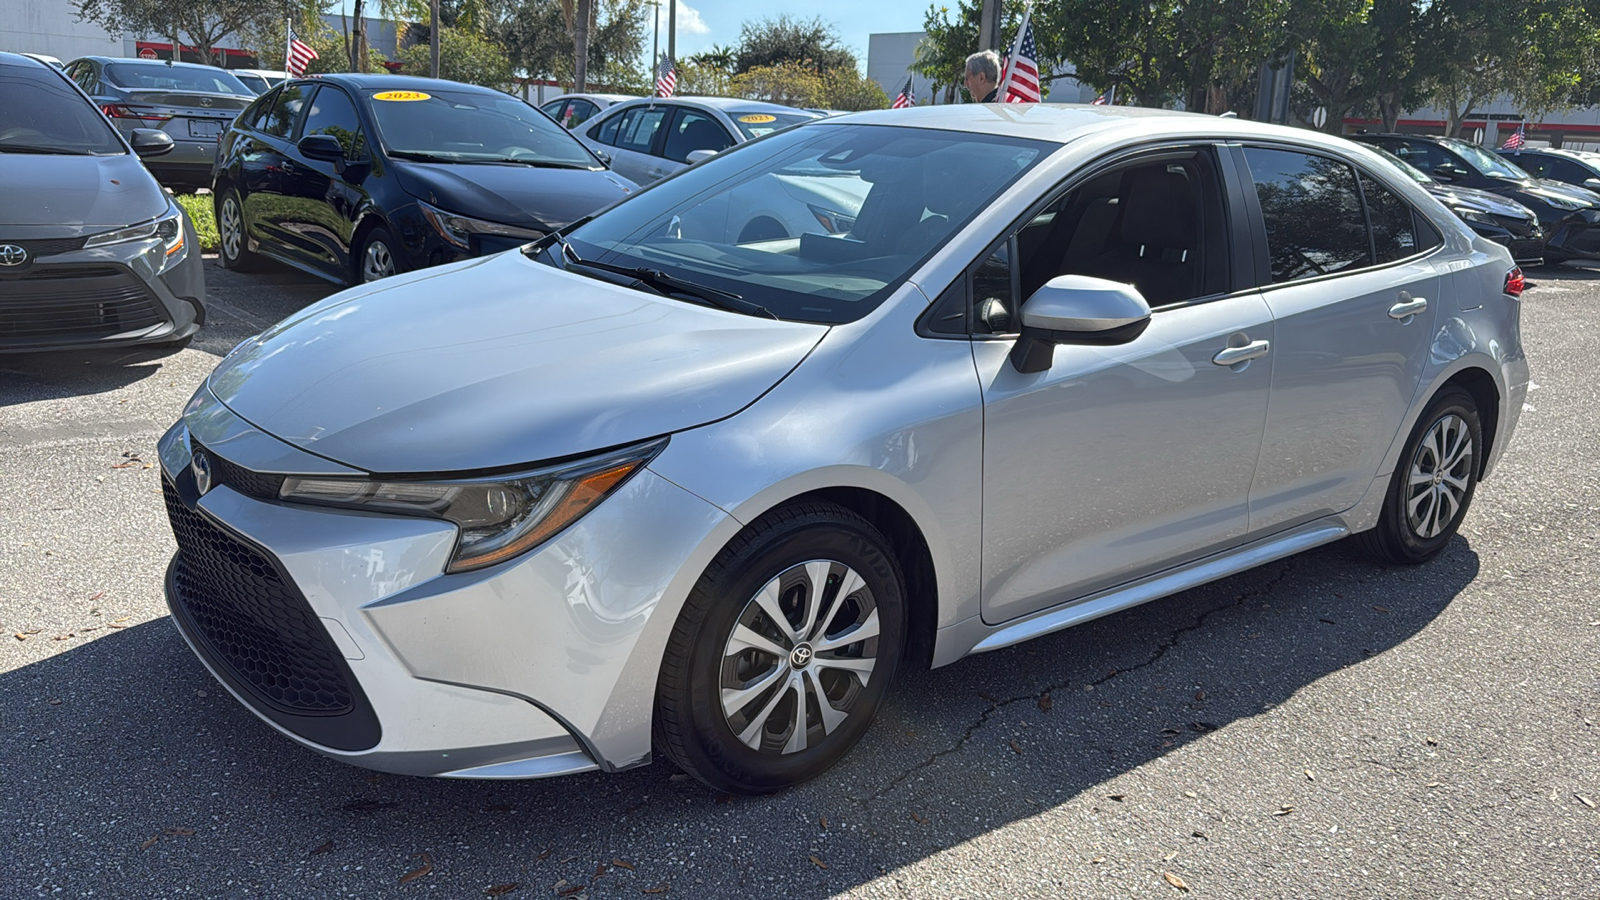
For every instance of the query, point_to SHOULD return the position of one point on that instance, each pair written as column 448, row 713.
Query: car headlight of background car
column 168, row 230
column 499, row 517
column 459, row 229
column 1473, row 215
column 1560, row 202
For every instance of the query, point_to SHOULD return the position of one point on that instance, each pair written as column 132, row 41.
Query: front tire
column 783, row 652
column 377, row 258
column 1433, row 483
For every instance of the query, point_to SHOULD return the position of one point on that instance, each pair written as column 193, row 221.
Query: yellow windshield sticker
column 758, row 119
column 401, row 95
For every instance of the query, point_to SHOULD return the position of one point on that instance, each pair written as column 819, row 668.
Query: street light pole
column 433, row 38
column 672, row 31
column 580, row 38
column 989, row 26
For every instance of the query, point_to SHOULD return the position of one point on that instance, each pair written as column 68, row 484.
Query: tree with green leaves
column 201, row 24
column 537, row 40
column 784, row 39
column 463, row 56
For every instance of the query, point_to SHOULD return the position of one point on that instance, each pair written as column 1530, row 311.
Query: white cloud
column 689, row 21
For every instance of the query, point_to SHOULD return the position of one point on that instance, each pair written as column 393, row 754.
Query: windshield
column 1417, row 175
column 814, row 224
column 754, row 123
column 1487, row 163
column 473, row 127
column 43, row 114
column 162, row 77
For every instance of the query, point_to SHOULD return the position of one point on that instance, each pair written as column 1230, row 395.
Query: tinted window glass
column 1425, row 155
column 41, row 112
column 203, row 79
column 255, row 114
column 693, row 131
column 332, row 113
column 1537, row 166
column 606, row 132
column 1394, row 234
column 253, row 82
column 553, row 109
column 580, row 112
column 285, row 111
column 83, row 74
column 992, row 299
column 1566, row 170
column 1313, row 213
column 637, row 130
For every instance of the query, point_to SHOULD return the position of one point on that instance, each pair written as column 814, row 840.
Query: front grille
column 255, row 622
column 47, row 246
column 75, row 302
column 251, row 484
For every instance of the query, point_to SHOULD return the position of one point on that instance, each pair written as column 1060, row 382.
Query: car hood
column 1545, row 188
column 496, row 363
column 94, row 191
column 513, row 194
column 1483, row 201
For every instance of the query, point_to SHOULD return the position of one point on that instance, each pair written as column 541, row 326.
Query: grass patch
column 204, row 218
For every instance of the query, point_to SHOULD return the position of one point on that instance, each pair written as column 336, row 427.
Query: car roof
column 136, row 61
column 722, row 103
column 21, row 59
column 275, row 73
column 374, row 81
column 609, row 98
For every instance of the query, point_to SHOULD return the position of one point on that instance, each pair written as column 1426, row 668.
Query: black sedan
column 1579, row 167
column 357, row 177
column 1500, row 219
column 1569, row 215
column 93, row 252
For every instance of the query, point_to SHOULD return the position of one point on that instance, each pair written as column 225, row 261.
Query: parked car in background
column 572, row 110
column 651, row 138
column 1569, row 215
column 636, row 491
column 93, row 253
column 48, row 60
column 1500, row 219
column 260, row 80
column 1577, row 167
column 357, row 177
column 190, row 102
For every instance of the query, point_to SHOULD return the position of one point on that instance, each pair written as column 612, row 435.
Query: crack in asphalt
column 1160, row 651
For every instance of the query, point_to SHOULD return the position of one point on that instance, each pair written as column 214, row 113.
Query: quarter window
column 1313, row 214
column 1394, row 227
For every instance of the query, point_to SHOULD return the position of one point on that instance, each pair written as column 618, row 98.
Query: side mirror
column 325, row 147
column 1592, row 184
column 150, row 142
column 1077, row 309
column 1446, row 172
column 698, row 155
column 604, row 156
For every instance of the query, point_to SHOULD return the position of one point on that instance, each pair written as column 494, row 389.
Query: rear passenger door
column 1347, row 269
column 321, row 202
column 266, row 172
column 637, row 135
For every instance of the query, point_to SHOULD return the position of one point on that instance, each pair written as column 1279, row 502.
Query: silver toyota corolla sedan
column 639, row 486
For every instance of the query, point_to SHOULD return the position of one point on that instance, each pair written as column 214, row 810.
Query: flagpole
column 288, row 43
column 1016, row 47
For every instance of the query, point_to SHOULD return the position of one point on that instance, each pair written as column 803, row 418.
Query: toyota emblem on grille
column 12, row 255
column 205, row 101
column 202, row 472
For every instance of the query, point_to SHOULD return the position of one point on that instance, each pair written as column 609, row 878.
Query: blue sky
column 702, row 23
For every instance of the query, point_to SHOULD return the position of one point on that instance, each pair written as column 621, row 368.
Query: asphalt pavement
column 1320, row 727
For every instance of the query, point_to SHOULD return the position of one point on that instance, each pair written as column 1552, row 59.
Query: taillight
column 1515, row 283
column 118, row 111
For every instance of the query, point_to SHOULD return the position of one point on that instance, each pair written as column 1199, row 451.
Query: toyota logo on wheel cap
column 12, row 255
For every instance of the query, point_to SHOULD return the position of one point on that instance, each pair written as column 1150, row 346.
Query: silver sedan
column 646, row 486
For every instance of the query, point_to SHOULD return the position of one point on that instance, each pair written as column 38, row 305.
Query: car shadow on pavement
column 164, row 782
column 54, row 375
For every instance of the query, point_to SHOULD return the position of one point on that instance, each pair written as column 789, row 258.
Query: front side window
column 472, row 127
column 41, row 114
column 285, row 111
column 693, row 131
column 870, row 204
column 1312, row 207
column 333, row 114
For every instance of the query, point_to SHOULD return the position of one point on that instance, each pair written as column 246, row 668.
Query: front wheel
column 377, row 259
column 1433, row 484
column 783, row 652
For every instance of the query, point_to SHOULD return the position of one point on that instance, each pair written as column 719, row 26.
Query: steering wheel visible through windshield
column 846, row 213
column 472, row 127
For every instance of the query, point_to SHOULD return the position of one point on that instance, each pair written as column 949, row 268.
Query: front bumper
column 1574, row 237
column 67, row 297
column 542, row 666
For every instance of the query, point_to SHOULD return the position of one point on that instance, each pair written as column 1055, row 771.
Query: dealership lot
column 1318, row 726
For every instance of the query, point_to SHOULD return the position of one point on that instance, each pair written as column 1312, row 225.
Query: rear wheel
column 783, row 652
column 233, row 249
column 1433, row 484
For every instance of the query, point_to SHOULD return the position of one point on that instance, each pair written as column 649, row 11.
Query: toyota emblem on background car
column 12, row 255
column 205, row 101
column 202, row 473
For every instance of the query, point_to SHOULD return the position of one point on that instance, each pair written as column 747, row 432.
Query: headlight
column 1474, row 215
column 832, row 221
column 459, row 230
column 499, row 518
column 168, row 229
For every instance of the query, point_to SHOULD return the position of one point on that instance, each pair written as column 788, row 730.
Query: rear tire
column 233, row 248
column 762, row 686
column 1433, row 483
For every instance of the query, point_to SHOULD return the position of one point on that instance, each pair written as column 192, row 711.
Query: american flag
column 1098, row 101
column 907, row 97
column 299, row 56
column 1021, row 83
column 1516, row 140
column 666, row 78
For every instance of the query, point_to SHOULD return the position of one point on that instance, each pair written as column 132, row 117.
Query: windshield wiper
column 666, row 285
column 536, row 163
column 25, row 148
column 419, row 156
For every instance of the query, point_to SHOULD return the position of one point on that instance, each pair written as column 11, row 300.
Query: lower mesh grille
column 74, row 302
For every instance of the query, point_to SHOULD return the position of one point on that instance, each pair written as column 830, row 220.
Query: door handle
column 288, row 166
column 1408, row 306
column 1235, row 355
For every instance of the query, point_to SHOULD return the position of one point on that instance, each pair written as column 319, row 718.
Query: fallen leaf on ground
column 500, row 890
column 600, row 871
column 1190, row 794
column 1284, row 810
column 1170, row 856
column 678, row 777
column 1199, row 695
column 621, row 864
column 1203, row 727
column 1327, row 621
column 1015, row 749
column 1433, row 784
column 321, row 848
column 545, row 855
column 54, row 701
column 824, row 823
column 817, row 862
column 1585, row 800
column 1116, row 797
column 1045, row 702
column 1097, row 860
column 116, row 624
column 420, row 871
column 568, row 859
column 658, row 889
column 920, row 819
column 150, row 843
column 1433, row 742
column 1175, row 881
column 1381, row 608
column 178, row 831
column 574, row 889
column 1309, row 776
column 64, row 637
column 97, row 596
column 1199, row 834
column 129, row 464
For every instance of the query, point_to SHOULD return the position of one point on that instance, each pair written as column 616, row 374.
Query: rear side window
column 285, row 112
column 579, row 112
column 1312, row 208
column 637, row 130
column 1394, row 225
